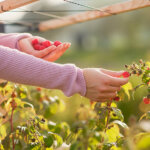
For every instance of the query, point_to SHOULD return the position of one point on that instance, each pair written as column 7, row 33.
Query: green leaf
column 58, row 139
column 48, row 141
column 113, row 133
column 144, row 142
column 127, row 87
column 3, row 84
column 77, row 146
column 120, row 123
column 107, row 146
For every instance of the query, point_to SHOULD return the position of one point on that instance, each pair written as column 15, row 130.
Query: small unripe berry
column 133, row 72
column 13, row 104
column 141, row 61
column 140, row 72
column 43, row 120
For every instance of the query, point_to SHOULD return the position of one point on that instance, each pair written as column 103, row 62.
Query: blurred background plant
column 109, row 43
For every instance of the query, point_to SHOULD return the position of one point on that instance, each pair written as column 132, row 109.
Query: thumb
column 112, row 73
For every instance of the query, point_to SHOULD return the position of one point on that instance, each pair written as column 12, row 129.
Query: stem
column 138, row 86
column 86, row 144
column 108, row 117
column 12, row 128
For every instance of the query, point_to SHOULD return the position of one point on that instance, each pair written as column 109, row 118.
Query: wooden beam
column 91, row 15
column 7, row 5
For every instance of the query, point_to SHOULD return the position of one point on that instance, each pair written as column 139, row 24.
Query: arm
column 11, row 40
column 22, row 68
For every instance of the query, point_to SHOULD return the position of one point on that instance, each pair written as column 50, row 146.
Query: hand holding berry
column 57, row 53
column 101, row 84
column 26, row 45
column 42, row 48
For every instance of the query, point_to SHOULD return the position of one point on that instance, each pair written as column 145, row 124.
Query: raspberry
column 57, row 43
column 46, row 43
column 35, row 41
column 41, row 47
column 146, row 100
column 117, row 98
column 37, row 46
column 91, row 102
column 126, row 74
column 38, row 89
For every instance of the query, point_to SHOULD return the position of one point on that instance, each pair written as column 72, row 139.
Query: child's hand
column 58, row 52
column 26, row 46
column 51, row 53
column 102, row 85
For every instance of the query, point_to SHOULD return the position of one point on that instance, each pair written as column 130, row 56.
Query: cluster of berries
column 117, row 98
column 135, row 68
column 42, row 45
column 144, row 70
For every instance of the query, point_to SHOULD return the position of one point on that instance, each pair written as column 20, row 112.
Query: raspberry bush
column 25, row 119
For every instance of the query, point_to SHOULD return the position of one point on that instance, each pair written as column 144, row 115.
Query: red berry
column 91, row 102
column 13, row 95
column 117, row 98
column 37, row 46
column 146, row 100
column 38, row 89
column 57, row 43
column 126, row 74
column 46, row 43
column 41, row 47
column 35, row 41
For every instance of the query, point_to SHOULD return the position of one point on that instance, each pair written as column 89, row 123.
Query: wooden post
column 91, row 15
column 7, row 5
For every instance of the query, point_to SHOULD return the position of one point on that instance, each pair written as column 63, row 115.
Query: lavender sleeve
column 22, row 68
column 11, row 40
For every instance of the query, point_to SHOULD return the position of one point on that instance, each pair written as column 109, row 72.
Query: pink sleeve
column 11, row 40
column 22, row 68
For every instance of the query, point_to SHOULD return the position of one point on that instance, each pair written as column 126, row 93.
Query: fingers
column 57, row 53
column 109, row 89
column 107, row 95
column 112, row 73
column 45, row 52
column 117, row 81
